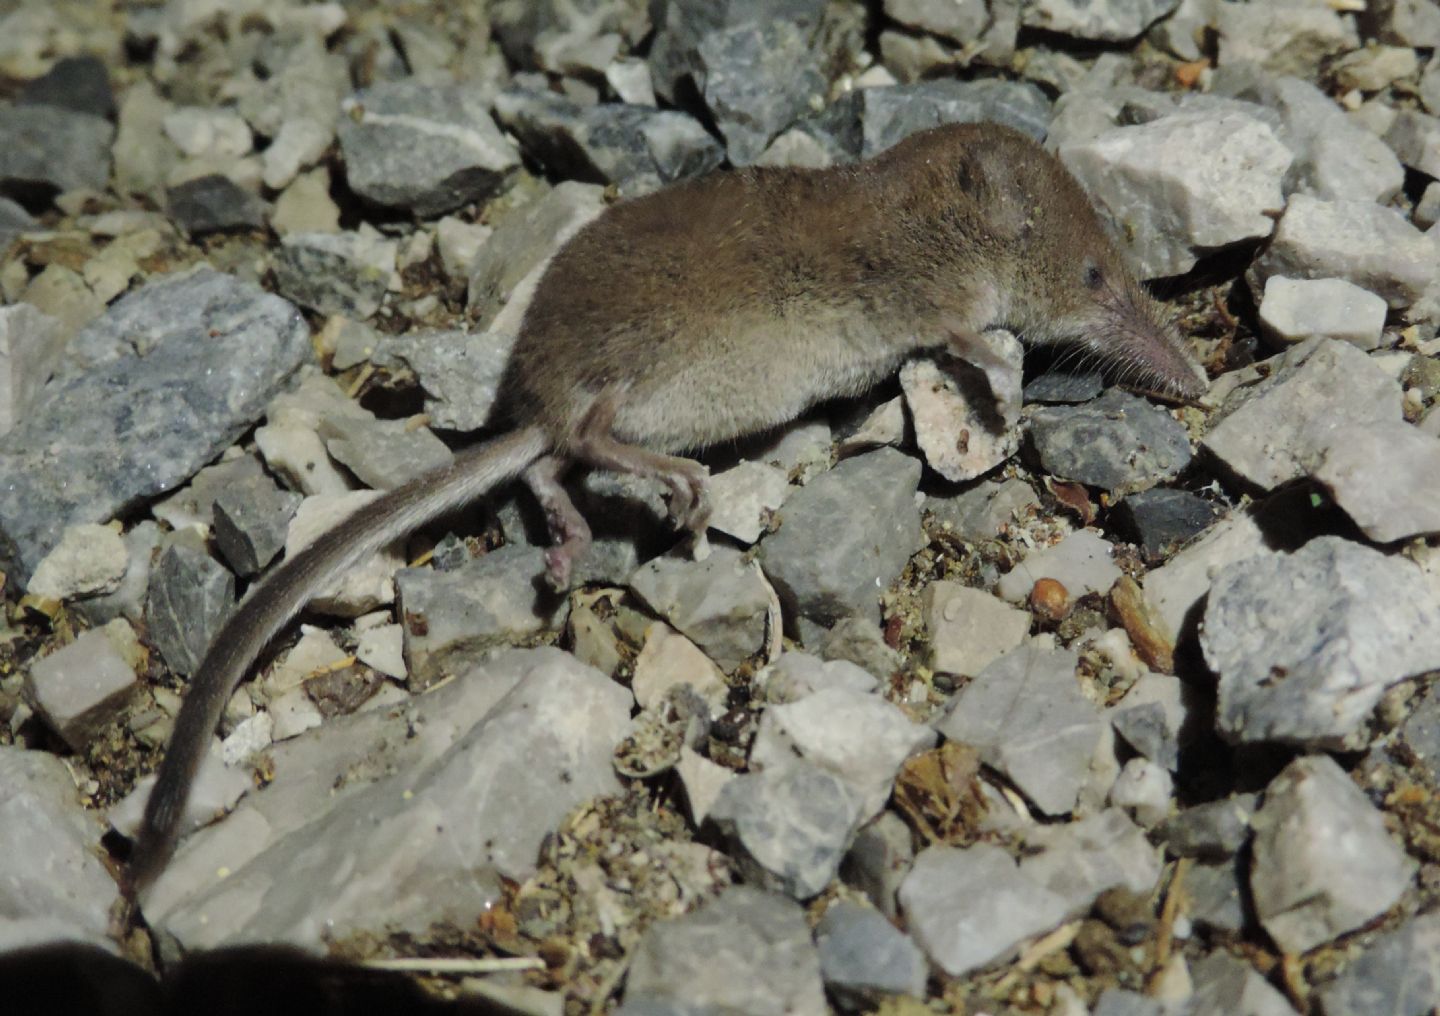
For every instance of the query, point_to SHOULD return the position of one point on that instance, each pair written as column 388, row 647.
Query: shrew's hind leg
column 595, row 445
column 569, row 532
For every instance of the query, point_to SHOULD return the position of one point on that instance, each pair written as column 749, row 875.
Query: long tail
column 267, row 609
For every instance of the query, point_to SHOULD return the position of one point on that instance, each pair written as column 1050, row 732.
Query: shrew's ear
column 985, row 175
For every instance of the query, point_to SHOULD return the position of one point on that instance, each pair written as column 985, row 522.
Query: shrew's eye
column 1094, row 277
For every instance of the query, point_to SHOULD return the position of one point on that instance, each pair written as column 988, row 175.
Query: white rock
column 1081, row 562
column 957, row 425
column 1145, row 791
column 315, row 653
column 297, row 453
column 971, row 907
column 1323, row 862
column 969, row 628
column 209, row 133
column 743, row 497
column 89, row 560
column 863, row 739
column 294, row 713
column 1184, row 184
column 1373, row 247
column 250, row 737
column 669, row 658
column 1383, row 476
column 703, row 781
column 381, row 647
column 1297, row 309
column 1173, row 589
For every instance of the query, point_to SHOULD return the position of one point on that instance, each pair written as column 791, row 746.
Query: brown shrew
column 724, row 306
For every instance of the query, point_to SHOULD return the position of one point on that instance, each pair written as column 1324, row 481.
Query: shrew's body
column 724, row 306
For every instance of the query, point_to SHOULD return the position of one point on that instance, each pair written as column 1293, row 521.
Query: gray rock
column 14, row 220
column 1398, row 973
column 971, row 907
column 1306, row 643
column 1026, row 716
column 1408, row 22
column 1312, row 398
column 491, row 600
column 795, row 675
column 213, row 204
column 1427, row 209
column 1377, row 474
column 55, row 887
column 31, row 344
column 984, row 510
column 1421, row 732
column 969, row 628
column 508, row 266
column 845, row 536
column 82, row 687
column 864, row 957
column 746, row 951
column 956, row 20
column 80, row 84
column 1211, row 831
column 889, row 114
column 53, row 149
column 720, row 603
column 1415, row 137
column 1219, row 896
column 879, row 859
column 436, row 802
column 1056, row 387
column 1161, row 519
column 1146, row 729
column 1118, row 442
column 251, row 520
column 1115, row 21
column 1294, row 310
column 1184, row 184
column 425, row 148
column 1335, row 158
column 1359, row 241
column 1286, row 38
column 1081, row 562
column 636, row 147
column 1080, row 860
column 1224, row 984
column 190, row 596
column 460, row 372
column 674, row 54
column 860, row 641
column 212, row 350
column 194, row 503
column 1119, row 1002
column 335, row 273
column 859, row 737
column 1323, row 863
column 383, row 454
column 758, row 78
column 790, row 825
